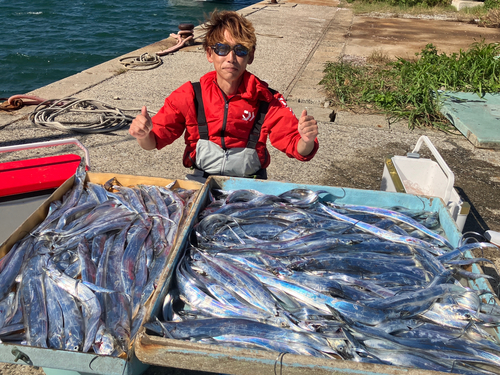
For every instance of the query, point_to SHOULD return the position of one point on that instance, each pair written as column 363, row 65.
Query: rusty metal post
column 186, row 30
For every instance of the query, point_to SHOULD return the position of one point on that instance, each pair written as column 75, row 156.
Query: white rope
column 142, row 62
column 80, row 115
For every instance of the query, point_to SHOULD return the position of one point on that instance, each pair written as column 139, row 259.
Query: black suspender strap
column 259, row 120
column 200, row 110
column 257, row 126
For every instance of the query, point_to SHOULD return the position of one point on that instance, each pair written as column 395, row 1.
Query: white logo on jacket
column 248, row 116
column 283, row 103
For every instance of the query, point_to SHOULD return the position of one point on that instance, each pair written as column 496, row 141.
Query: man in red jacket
column 227, row 116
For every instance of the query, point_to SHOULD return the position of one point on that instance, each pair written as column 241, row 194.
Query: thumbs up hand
column 142, row 125
column 308, row 128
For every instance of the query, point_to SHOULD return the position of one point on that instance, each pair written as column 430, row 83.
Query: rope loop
column 16, row 102
column 80, row 116
column 142, row 62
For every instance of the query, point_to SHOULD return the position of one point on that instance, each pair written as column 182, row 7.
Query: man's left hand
column 308, row 128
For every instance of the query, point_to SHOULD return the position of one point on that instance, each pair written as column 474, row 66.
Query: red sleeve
column 170, row 122
column 282, row 125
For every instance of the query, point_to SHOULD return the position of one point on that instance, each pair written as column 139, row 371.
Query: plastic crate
column 161, row 351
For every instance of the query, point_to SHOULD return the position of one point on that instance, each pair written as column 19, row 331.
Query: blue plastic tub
column 160, row 351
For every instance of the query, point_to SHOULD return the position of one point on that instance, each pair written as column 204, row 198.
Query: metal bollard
column 186, row 30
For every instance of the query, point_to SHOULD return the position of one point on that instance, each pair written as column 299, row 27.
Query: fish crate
column 414, row 175
column 160, row 351
column 63, row 362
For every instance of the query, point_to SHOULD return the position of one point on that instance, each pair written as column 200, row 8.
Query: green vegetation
column 487, row 15
column 491, row 4
column 405, row 89
column 490, row 19
column 409, row 3
column 397, row 7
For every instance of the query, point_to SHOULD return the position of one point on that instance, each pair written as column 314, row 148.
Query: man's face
column 229, row 68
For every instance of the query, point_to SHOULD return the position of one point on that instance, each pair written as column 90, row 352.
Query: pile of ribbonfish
column 297, row 273
column 80, row 280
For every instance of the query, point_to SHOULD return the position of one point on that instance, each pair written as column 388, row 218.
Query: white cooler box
column 413, row 175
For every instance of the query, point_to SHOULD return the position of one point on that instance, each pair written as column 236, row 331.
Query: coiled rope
column 142, row 62
column 80, row 116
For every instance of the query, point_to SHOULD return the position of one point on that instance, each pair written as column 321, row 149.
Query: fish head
column 105, row 343
column 281, row 321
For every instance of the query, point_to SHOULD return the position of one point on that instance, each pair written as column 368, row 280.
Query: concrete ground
column 295, row 40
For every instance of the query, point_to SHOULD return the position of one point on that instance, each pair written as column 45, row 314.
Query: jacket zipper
column 222, row 133
column 224, row 122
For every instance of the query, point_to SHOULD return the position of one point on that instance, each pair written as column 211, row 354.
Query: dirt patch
column 403, row 37
column 475, row 182
column 365, row 171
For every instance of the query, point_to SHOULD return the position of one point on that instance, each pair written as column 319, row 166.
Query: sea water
column 44, row 41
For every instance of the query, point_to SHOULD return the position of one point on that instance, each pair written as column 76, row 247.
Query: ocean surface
column 44, row 41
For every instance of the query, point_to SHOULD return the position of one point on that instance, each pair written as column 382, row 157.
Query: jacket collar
column 251, row 87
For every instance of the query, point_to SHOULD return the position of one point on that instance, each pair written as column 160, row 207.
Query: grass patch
column 360, row 8
column 486, row 16
column 409, row 89
column 378, row 57
column 490, row 19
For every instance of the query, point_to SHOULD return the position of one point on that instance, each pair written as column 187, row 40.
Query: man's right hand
column 141, row 126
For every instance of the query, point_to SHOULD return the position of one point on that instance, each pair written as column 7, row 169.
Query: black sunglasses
column 222, row 49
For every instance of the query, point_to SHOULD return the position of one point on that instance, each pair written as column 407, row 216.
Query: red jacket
column 178, row 114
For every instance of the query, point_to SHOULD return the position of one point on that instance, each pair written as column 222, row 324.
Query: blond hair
column 238, row 26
